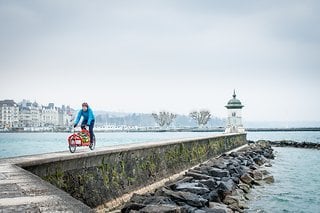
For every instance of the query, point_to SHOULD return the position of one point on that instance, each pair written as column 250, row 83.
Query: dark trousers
column 84, row 123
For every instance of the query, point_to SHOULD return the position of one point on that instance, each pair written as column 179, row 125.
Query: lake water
column 297, row 183
column 18, row 144
column 296, row 171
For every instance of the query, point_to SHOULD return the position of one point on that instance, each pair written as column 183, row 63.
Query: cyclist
column 88, row 119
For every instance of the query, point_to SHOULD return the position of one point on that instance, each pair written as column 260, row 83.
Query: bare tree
column 202, row 117
column 164, row 118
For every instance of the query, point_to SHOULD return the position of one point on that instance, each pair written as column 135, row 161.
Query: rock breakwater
column 290, row 143
column 219, row 185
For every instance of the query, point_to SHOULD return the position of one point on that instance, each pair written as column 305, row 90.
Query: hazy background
column 145, row 56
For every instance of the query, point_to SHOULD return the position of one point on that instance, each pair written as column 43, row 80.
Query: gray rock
column 197, row 176
column 199, row 171
column 195, row 188
column 187, row 208
column 199, row 211
column 253, row 167
column 210, row 183
column 208, row 210
column 264, row 172
column 236, row 179
column 260, row 160
column 234, row 203
column 268, row 179
column 161, row 208
column 130, row 206
column 244, row 187
column 268, row 165
column 213, row 196
column 219, row 207
column 216, row 172
column 218, row 163
column 234, row 154
column 257, row 175
column 187, row 197
column 157, row 200
column 232, row 200
column 246, row 178
column 226, row 187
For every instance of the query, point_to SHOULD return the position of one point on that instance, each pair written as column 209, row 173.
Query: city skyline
column 164, row 55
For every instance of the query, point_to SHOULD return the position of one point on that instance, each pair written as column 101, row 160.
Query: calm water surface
column 18, row 144
column 297, row 183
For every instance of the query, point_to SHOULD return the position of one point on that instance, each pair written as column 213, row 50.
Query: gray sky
column 145, row 56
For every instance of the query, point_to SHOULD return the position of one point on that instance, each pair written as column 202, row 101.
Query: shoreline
column 222, row 184
column 291, row 143
column 217, row 129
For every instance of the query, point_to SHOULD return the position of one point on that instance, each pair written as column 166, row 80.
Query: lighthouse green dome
column 234, row 103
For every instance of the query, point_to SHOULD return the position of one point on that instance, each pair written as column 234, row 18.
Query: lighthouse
column 234, row 122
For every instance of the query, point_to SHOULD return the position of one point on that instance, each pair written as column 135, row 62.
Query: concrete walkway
column 22, row 191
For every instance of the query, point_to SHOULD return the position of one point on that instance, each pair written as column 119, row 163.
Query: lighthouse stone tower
column 234, row 122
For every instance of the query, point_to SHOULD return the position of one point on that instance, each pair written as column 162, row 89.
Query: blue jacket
column 87, row 116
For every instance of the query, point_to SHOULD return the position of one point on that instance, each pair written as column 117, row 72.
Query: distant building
column 49, row 115
column 9, row 114
column 234, row 121
column 29, row 114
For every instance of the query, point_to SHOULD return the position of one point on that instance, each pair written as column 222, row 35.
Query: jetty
column 103, row 179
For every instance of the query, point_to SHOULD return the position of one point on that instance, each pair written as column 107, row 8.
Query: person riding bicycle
column 88, row 119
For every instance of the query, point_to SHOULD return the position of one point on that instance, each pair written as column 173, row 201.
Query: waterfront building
column 234, row 121
column 29, row 114
column 49, row 115
column 9, row 114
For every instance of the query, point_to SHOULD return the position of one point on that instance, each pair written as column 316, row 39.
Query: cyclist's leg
column 83, row 124
column 91, row 130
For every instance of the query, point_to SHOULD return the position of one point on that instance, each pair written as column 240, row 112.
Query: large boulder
column 246, row 178
column 210, row 183
column 234, row 154
column 195, row 188
column 157, row 200
column 268, row 179
column 186, row 197
column 213, row 196
column 264, row 172
column 216, row 172
column 260, row 160
column 197, row 176
column 244, row 187
column 165, row 208
column 257, row 174
column 219, row 207
column 130, row 206
column 138, row 202
column 226, row 187
column 218, row 163
column 232, row 201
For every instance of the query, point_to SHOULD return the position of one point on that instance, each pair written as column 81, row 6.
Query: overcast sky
column 146, row 56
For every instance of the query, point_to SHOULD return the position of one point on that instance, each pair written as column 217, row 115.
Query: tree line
column 162, row 119
column 166, row 118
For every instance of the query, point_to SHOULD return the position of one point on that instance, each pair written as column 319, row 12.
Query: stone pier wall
column 99, row 177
